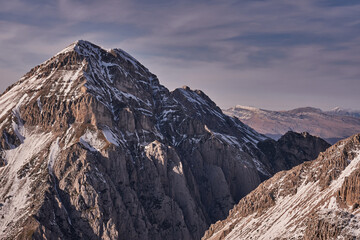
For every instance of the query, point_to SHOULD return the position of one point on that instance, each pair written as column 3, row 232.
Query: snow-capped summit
column 83, row 68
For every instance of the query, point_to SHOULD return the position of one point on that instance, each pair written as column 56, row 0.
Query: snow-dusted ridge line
column 247, row 108
column 65, row 87
column 89, row 49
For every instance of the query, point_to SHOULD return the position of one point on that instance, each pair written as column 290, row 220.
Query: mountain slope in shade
column 315, row 200
column 331, row 126
column 290, row 150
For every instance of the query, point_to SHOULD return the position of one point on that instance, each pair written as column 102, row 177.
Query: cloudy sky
column 274, row 54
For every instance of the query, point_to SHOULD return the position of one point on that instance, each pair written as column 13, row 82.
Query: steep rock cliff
column 315, row 200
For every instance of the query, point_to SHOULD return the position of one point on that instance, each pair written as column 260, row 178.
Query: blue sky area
column 275, row 54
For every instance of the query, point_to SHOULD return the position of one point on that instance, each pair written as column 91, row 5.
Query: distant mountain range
column 331, row 125
column 344, row 112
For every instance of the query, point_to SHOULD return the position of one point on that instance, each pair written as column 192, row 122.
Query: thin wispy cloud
column 274, row 54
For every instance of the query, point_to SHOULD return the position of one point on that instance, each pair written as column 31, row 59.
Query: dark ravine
column 316, row 200
column 93, row 147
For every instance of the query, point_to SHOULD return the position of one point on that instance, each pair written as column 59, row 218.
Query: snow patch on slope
column 353, row 165
column 110, row 137
column 91, row 141
column 53, row 154
column 18, row 193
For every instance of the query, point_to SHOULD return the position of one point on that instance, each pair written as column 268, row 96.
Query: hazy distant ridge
column 331, row 125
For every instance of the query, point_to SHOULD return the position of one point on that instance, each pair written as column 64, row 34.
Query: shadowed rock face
column 317, row 199
column 291, row 150
column 93, row 147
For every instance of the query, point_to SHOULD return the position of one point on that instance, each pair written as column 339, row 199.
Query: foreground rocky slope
column 315, row 200
column 331, row 125
column 93, row 147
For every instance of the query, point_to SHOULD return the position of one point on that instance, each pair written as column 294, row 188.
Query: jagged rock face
column 290, row 150
column 93, row 147
column 318, row 199
column 329, row 125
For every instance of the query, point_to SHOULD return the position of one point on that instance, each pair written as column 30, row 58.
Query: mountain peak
column 89, row 49
column 335, row 109
column 78, row 45
column 81, row 69
column 93, row 147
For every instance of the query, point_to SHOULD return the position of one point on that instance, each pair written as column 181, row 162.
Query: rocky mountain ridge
column 290, row 150
column 317, row 199
column 330, row 125
column 94, row 147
